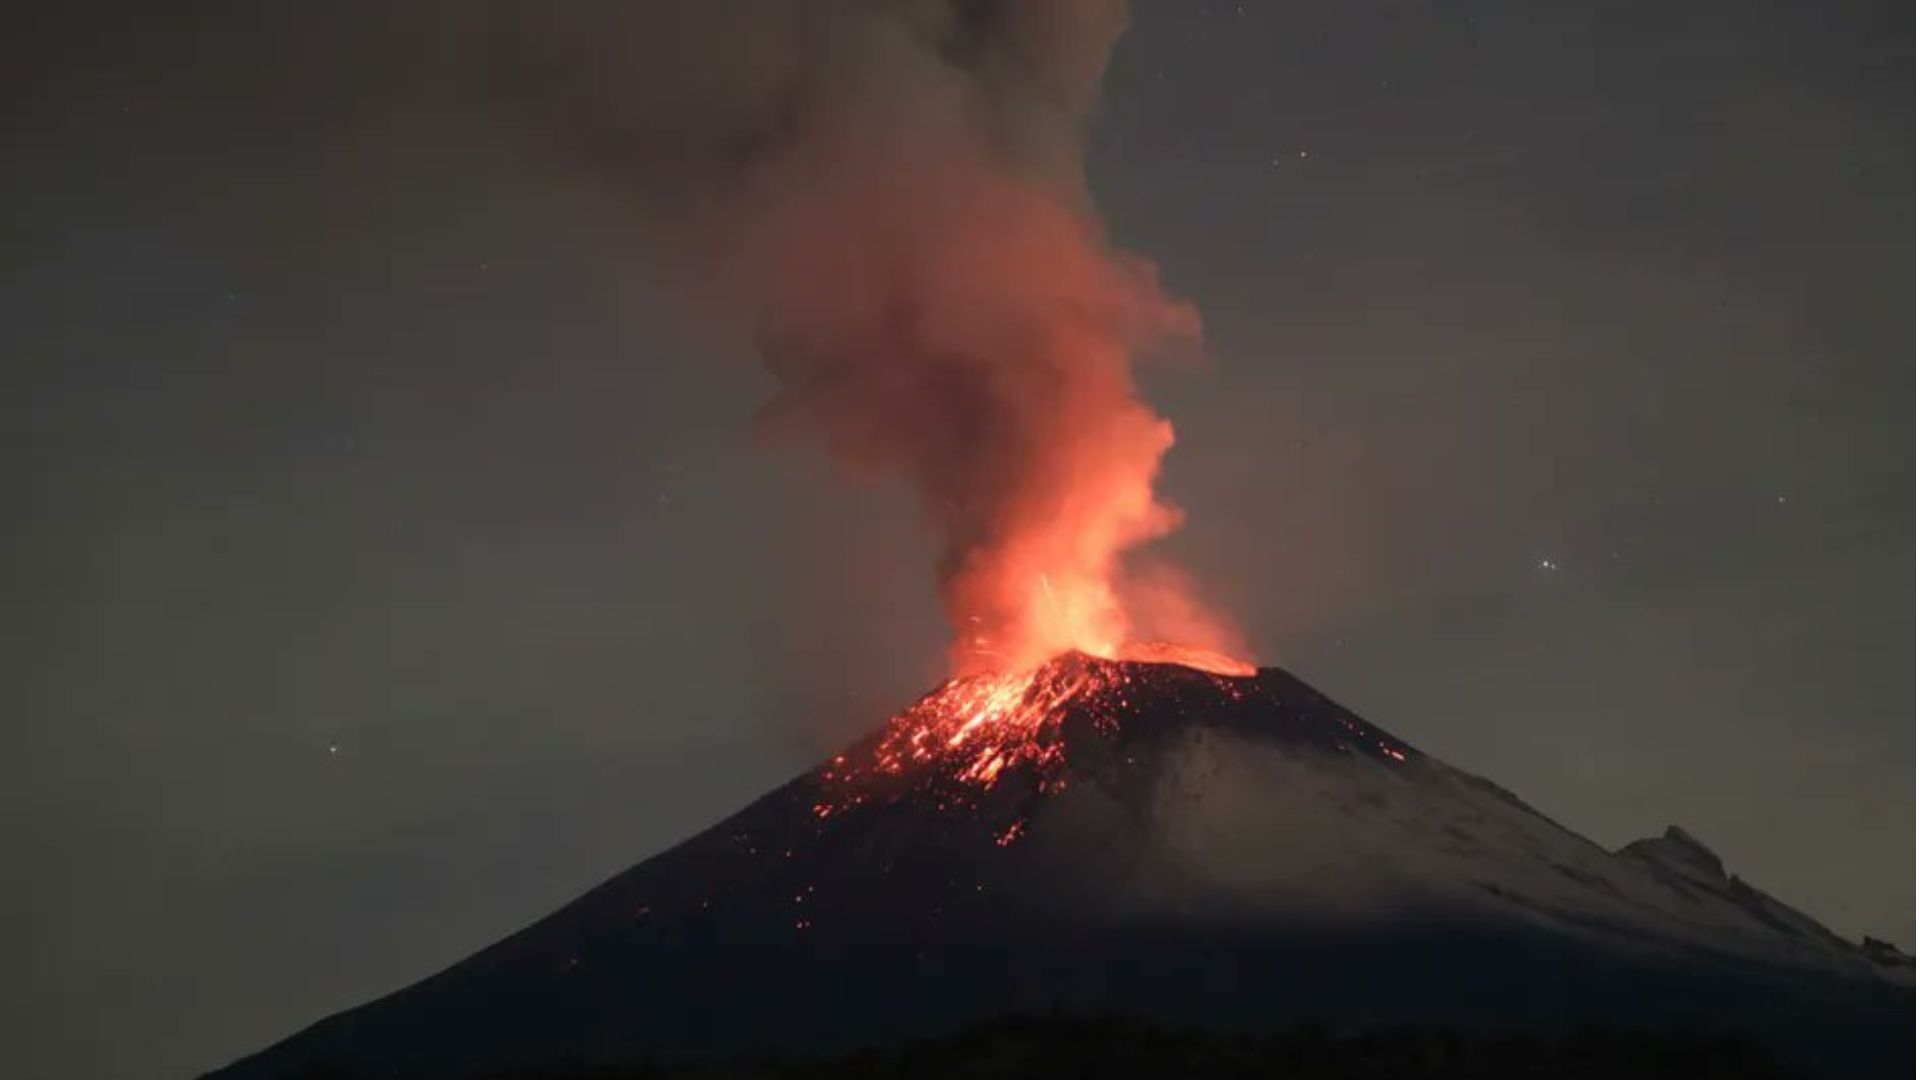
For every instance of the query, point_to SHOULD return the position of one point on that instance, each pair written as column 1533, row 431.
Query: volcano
column 1225, row 848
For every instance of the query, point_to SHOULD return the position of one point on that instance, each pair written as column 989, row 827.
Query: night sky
column 389, row 561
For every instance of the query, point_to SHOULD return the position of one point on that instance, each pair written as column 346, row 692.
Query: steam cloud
column 893, row 191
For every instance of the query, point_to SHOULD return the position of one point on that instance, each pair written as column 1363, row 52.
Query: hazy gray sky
column 388, row 563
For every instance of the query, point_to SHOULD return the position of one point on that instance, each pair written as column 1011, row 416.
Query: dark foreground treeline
column 1114, row 1049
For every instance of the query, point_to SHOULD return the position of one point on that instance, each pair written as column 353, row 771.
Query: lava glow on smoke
column 892, row 193
column 974, row 729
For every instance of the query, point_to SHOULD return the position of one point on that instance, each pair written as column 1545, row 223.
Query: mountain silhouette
column 1190, row 848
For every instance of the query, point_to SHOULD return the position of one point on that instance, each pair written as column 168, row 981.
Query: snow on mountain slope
column 1247, row 829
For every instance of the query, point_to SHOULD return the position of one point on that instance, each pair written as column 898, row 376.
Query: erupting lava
column 975, row 728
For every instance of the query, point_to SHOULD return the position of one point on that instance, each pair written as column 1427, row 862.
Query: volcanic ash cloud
column 893, row 194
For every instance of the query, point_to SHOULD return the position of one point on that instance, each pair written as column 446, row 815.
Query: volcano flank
column 1142, row 839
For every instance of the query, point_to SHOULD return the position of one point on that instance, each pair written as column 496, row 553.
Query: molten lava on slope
column 973, row 729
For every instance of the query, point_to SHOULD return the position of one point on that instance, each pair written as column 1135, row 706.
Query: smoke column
column 892, row 190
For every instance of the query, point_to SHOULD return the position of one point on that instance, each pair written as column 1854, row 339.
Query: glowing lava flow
column 976, row 728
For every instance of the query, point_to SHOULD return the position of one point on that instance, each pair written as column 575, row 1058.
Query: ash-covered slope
column 1194, row 848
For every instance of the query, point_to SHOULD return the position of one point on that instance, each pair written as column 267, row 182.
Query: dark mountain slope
column 1191, row 848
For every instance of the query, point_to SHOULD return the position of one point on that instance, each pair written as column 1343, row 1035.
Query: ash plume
column 891, row 191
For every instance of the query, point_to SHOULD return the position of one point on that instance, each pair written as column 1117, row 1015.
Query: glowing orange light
column 976, row 729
